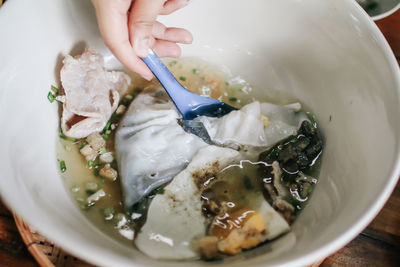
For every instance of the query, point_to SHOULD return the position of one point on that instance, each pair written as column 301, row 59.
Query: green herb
column 50, row 97
column 54, row 89
column 103, row 150
column 62, row 136
column 173, row 63
column 80, row 199
column 128, row 213
column 90, row 192
column 114, row 115
column 108, row 213
column 227, row 83
column 247, row 183
column 182, row 78
column 233, row 99
column 108, row 131
column 107, row 127
column 99, row 185
column 91, row 186
column 158, row 191
column 96, row 172
column 237, row 89
column 92, row 163
column 106, row 136
column 195, row 71
column 84, row 143
column 63, row 168
column 85, row 206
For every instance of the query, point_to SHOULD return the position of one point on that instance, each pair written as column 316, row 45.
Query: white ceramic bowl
column 329, row 54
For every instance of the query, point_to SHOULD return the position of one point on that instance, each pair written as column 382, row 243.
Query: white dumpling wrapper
column 91, row 93
column 245, row 126
column 175, row 218
column 151, row 147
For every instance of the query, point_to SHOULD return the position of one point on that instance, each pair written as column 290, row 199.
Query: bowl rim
column 325, row 250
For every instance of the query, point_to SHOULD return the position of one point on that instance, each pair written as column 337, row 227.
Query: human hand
column 129, row 28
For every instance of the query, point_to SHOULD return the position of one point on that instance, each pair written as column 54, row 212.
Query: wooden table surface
column 377, row 245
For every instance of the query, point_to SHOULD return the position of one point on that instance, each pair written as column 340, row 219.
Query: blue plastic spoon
column 189, row 104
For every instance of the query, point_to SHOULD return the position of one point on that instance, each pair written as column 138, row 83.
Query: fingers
column 112, row 20
column 167, row 49
column 176, row 35
column 141, row 20
column 173, row 5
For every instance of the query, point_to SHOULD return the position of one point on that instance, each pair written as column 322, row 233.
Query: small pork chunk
column 91, row 94
column 108, row 173
column 96, row 141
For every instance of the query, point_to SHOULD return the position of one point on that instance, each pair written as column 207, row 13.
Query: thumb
column 141, row 20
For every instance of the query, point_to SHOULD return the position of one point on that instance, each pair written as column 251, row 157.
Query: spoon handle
column 179, row 94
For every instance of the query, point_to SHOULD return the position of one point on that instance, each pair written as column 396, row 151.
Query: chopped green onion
column 96, row 172
column 233, row 99
column 85, row 206
column 108, row 213
column 63, row 168
column 158, row 191
column 227, row 83
column 50, row 97
column 106, row 136
column 114, row 115
column 62, row 136
column 182, row 78
column 103, row 150
column 84, row 143
column 54, row 89
column 195, row 71
column 92, row 163
column 99, row 185
column 90, row 192
column 236, row 89
column 108, row 131
column 107, row 126
column 68, row 148
column 80, row 199
column 173, row 63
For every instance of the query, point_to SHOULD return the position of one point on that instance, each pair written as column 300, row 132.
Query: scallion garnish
column 82, row 145
column 107, row 126
column 92, row 163
column 63, row 168
column 182, row 78
column 158, row 191
column 62, row 136
column 227, row 83
column 195, row 71
column 50, row 97
column 54, row 89
column 236, row 89
column 100, row 184
column 90, row 192
column 106, row 136
column 103, row 150
column 233, row 99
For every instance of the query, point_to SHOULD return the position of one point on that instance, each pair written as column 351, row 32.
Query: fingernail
column 142, row 47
